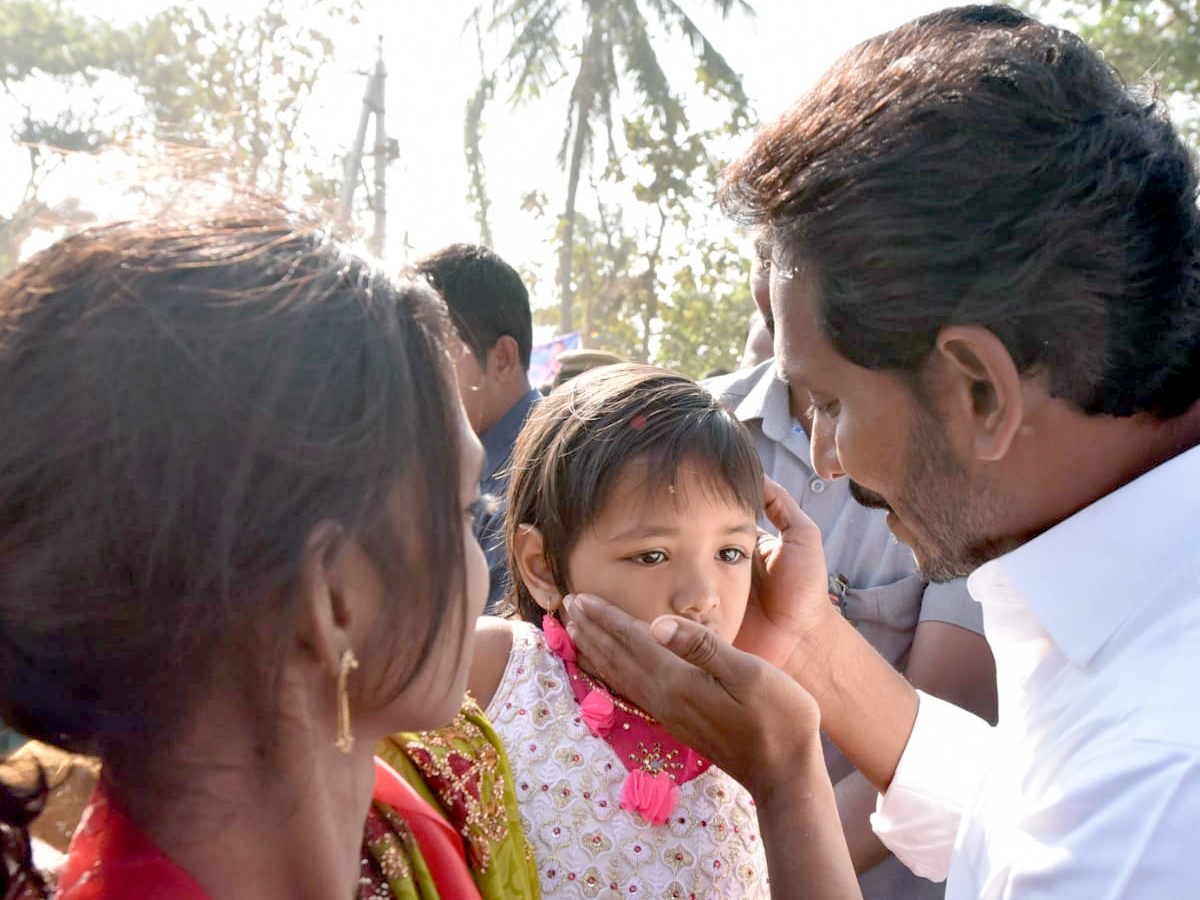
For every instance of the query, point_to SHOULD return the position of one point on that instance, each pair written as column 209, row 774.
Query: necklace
column 618, row 702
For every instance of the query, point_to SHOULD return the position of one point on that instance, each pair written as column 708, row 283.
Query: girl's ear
column 532, row 568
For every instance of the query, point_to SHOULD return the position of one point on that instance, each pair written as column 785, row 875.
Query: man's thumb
column 693, row 643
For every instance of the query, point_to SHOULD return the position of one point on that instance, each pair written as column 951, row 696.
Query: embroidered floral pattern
column 657, row 763
column 463, row 770
column 388, row 850
column 569, row 792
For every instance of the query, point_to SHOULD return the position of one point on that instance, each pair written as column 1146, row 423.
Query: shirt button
column 816, row 485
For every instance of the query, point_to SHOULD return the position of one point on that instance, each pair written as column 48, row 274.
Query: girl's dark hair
column 975, row 167
column 578, row 440
column 181, row 404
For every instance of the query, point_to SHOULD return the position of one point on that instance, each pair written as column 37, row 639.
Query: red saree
column 110, row 858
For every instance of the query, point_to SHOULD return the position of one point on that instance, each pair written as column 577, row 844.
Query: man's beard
column 945, row 514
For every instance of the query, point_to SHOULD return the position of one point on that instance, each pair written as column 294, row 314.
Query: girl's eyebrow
column 641, row 531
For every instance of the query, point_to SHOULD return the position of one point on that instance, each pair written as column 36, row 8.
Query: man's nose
column 823, row 449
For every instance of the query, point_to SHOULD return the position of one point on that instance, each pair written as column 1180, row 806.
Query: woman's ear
column 533, row 569
column 340, row 591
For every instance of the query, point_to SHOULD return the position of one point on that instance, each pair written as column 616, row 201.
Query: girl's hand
column 790, row 597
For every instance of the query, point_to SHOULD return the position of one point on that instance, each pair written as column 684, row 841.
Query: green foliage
column 669, row 288
column 704, row 325
column 233, row 87
column 473, row 129
column 237, row 84
column 605, row 44
column 52, row 60
column 37, row 36
column 1155, row 41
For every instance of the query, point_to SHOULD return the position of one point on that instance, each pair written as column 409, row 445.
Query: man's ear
column 981, row 384
column 504, row 359
column 533, row 568
column 337, row 585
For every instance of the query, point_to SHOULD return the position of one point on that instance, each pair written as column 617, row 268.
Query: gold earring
column 345, row 739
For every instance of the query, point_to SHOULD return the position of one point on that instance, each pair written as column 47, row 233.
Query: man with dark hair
column 986, row 281
column 933, row 632
column 489, row 305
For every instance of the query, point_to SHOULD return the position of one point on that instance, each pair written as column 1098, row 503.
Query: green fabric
column 463, row 771
column 395, row 867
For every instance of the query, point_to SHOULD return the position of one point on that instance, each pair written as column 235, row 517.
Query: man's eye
column 732, row 554
column 650, row 557
column 826, row 408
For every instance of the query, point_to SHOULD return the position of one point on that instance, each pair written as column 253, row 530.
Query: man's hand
column 738, row 710
column 790, row 599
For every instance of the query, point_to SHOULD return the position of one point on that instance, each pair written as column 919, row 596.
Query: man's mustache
column 869, row 499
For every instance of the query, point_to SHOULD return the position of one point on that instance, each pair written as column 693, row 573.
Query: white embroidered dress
column 569, row 783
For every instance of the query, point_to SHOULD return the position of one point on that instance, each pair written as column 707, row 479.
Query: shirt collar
column 768, row 402
column 1086, row 576
column 499, row 439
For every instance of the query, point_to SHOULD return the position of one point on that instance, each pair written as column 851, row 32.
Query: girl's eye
column 650, row 557
column 732, row 554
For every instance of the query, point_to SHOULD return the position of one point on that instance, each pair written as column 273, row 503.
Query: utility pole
column 384, row 151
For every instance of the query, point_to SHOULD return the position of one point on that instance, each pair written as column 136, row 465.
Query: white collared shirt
column 1090, row 785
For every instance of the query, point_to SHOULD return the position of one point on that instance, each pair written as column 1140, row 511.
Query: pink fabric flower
column 598, row 711
column 556, row 636
column 654, row 796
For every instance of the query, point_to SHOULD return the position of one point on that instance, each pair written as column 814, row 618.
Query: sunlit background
column 657, row 273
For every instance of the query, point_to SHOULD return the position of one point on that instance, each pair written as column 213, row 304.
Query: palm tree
column 614, row 45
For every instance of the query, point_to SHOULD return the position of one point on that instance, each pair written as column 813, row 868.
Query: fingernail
column 663, row 630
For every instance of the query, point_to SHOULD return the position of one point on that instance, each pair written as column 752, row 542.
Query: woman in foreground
column 234, row 489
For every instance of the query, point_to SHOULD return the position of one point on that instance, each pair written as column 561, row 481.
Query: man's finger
column 795, row 527
column 688, row 640
column 781, row 508
column 702, row 648
column 619, row 648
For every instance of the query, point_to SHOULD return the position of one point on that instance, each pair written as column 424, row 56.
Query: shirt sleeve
column 918, row 817
column 951, row 603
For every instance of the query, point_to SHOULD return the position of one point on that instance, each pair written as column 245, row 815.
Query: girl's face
column 684, row 549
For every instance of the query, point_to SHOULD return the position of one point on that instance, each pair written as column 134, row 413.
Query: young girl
column 632, row 483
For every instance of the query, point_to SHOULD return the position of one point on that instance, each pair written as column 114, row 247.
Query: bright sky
column 433, row 68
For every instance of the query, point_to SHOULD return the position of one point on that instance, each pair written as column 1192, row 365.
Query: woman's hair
column 180, row 406
column 578, row 441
